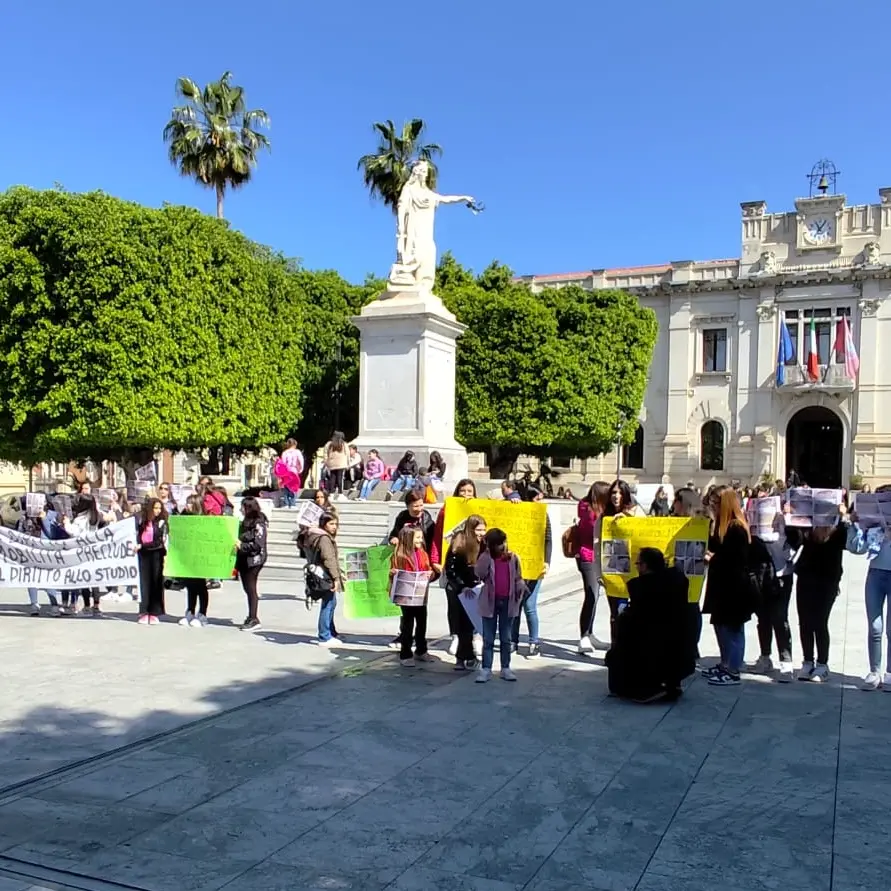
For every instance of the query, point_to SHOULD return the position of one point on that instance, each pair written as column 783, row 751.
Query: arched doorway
column 814, row 447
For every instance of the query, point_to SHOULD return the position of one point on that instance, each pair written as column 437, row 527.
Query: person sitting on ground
column 650, row 653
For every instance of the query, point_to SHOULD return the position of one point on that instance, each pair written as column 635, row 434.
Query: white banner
column 104, row 557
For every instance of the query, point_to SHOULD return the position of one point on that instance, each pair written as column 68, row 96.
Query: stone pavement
column 382, row 777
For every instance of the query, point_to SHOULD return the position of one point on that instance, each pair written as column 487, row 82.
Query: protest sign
column 179, row 494
column 682, row 540
column 761, row 514
column 105, row 498
column 201, row 547
column 469, row 599
column 104, row 557
column 813, row 507
column 35, row 504
column 409, row 588
column 873, row 509
column 62, row 503
column 138, row 491
column 147, row 473
column 308, row 513
column 366, row 588
column 524, row 523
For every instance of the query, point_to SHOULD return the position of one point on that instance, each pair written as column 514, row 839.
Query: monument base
column 407, row 379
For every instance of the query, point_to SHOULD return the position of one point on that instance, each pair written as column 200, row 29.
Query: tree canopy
column 124, row 327
column 549, row 372
column 386, row 170
column 213, row 138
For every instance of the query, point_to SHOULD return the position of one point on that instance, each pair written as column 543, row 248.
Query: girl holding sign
column 464, row 551
column 411, row 556
column 151, row 547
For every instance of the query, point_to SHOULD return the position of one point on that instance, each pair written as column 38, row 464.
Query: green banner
column 366, row 587
column 201, row 547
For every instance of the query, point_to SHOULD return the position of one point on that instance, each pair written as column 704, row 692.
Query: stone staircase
column 365, row 524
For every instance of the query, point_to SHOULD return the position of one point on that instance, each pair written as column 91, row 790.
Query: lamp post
column 620, row 426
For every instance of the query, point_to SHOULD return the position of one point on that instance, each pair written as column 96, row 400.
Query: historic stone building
column 715, row 407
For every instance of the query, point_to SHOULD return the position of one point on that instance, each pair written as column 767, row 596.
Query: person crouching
column 651, row 652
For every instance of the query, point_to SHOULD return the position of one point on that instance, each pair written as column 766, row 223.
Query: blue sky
column 597, row 134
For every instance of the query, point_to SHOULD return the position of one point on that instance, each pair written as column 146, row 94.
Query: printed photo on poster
column 689, row 557
column 873, row 509
column 616, row 557
column 409, row 588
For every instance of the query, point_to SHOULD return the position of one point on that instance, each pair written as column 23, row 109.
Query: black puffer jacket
column 252, row 534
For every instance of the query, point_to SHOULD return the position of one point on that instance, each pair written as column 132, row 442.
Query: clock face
column 819, row 231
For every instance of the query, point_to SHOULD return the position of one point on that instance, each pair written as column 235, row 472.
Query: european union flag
column 785, row 353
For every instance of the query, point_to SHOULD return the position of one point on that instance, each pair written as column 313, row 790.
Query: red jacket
column 408, row 563
column 213, row 503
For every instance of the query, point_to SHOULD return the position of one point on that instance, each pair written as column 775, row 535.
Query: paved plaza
column 174, row 759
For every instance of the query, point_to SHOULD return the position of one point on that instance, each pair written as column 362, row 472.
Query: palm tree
column 387, row 170
column 212, row 138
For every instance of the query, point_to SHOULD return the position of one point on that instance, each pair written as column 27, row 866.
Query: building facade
column 716, row 409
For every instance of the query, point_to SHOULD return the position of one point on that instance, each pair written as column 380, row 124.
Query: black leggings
column 151, row 581
column 455, row 610
column 815, row 598
column 197, row 598
column 249, row 577
column 773, row 621
column 335, row 481
column 591, row 587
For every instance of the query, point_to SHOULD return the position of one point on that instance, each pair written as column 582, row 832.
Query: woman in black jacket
column 729, row 595
column 251, row 557
column 151, row 546
column 405, row 476
column 460, row 570
column 819, row 572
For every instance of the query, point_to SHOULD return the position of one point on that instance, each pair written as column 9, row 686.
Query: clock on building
column 819, row 231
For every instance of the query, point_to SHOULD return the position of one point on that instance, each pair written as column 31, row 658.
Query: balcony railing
column 832, row 378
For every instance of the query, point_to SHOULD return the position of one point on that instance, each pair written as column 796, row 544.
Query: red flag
column 813, row 357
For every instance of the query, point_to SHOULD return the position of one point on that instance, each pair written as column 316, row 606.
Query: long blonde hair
column 730, row 513
column 465, row 541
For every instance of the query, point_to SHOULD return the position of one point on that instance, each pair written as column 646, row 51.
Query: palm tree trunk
column 220, row 193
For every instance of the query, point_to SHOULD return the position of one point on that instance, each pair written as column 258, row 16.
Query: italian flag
column 813, row 359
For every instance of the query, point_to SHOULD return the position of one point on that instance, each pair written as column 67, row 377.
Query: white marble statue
column 415, row 264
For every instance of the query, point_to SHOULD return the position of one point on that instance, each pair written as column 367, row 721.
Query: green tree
column 387, row 170
column 554, row 371
column 213, row 138
column 124, row 328
column 330, row 399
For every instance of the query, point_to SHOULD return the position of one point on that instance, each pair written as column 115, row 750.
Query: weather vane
column 823, row 177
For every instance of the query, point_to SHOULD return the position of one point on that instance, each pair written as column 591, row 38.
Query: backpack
column 571, row 542
column 317, row 579
column 763, row 584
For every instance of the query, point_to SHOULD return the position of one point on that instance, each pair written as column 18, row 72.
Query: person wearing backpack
column 323, row 574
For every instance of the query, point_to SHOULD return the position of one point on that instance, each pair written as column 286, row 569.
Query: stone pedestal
column 407, row 379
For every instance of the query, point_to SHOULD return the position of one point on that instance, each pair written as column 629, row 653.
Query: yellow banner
column 682, row 540
column 524, row 523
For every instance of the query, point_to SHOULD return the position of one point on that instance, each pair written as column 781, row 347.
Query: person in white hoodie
column 85, row 518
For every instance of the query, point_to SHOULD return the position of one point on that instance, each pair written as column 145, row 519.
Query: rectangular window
column 714, row 349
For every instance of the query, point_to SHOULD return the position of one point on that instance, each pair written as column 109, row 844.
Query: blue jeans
column 368, row 486
column 878, row 594
column 290, row 497
column 530, row 609
column 52, row 594
column 327, row 605
column 402, row 484
column 732, row 644
column 503, row 623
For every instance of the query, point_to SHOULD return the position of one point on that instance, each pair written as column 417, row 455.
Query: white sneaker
column 873, row 681
column 763, row 665
column 820, row 674
column 483, row 676
column 453, row 645
column 186, row 620
column 599, row 644
column 886, row 684
column 198, row 622
column 787, row 673
column 585, row 646
column 807, row 669
column 507, row 675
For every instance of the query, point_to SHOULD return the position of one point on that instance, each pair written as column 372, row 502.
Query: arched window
column 633, row 454
column 711, row 446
